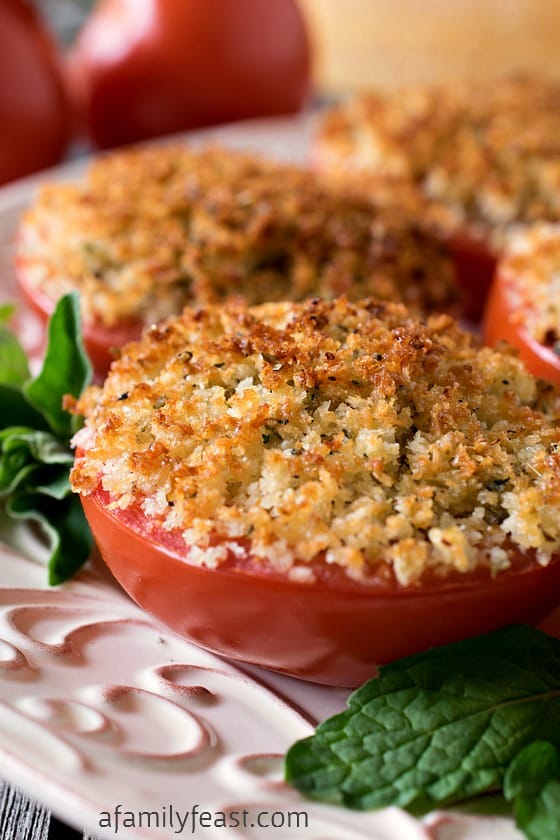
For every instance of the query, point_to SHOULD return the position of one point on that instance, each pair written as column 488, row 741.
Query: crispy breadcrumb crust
column 531, row 268
column 349, row 432
column 483, row 155
column 151, row 230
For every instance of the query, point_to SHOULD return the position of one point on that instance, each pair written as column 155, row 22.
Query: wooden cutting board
column 391, row 43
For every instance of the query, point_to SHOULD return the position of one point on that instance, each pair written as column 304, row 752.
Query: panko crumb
column 483, row 156
column 347, row 433
column 151, row 230
column 530, row 267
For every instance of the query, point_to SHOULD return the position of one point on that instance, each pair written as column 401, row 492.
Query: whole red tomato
column 141, row 69
column 33, row 113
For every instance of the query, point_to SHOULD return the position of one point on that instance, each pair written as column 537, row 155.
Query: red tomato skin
column 551, row 624
column 34, row 117
column 500, row 325
column 334, row 632
column 101, row 343
column 168, row 66
column 475, row 265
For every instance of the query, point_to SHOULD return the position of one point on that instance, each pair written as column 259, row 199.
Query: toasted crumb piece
column 350, row 434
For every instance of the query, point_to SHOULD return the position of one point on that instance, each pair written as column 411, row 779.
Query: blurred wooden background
column 391, row 43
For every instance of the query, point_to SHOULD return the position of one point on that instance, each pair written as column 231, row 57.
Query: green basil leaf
column 42, row 446
column 65, row 527
column 34, row 432
column 52, row 482
column 15, row 472
column 28, row 458
column 532, row 783
column 16, row 410
column 10, row 431
column 66, row 369
column 14, row 369
column 6, row 312
column 438, row 727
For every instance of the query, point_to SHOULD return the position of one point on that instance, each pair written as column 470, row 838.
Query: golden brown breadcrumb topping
column 484, row 155
column 152, row 230
column 350, row 432
column 530, row 267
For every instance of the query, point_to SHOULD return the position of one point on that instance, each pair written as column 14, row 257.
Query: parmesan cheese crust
column 152, row 230
column 531, row 266
column 355, row 433
column 483, row 156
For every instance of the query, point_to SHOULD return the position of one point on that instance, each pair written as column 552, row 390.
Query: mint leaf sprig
column 35, row 432
column 443, row 726
column 532, row 783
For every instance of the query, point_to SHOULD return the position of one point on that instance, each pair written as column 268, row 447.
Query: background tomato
column 475, row 264
column 33, row 113
column 333, row 631
column 100, row 342
column 503, row 323
column 139, row 70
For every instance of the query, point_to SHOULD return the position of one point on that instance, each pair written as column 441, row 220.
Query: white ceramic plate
column 102, row 707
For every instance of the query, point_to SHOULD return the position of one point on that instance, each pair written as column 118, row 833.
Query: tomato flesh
column 500, row 324
column 101, row 343
column 334, row 631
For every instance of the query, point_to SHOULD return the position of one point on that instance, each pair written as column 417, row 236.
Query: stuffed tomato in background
column 475, row 264
column 480, row 158
column 102, row 342
column 524, row 304
column 151, row 230
column 246, row 489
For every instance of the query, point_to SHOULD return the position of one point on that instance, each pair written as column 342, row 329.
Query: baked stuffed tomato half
column 152, row 230
column 524, row 304
column 319, row 488
column 330, row 630
column 102, row 342
column 346, row 152
column 452, row 144
column 475, row 265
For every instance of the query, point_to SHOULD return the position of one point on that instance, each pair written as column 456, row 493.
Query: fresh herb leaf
column 63, row 523
column 15, row 471
column 42, row 446
column 25, row 453
column 35, row 430
column 14, row 369
column 16, row 410
column 532, row 783
column 438, row 727
column 6, row 312
column 54, row 483
column 66, row 369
